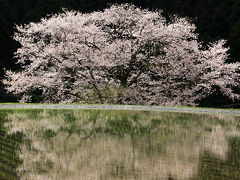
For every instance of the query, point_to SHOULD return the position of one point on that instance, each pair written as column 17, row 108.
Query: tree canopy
column 134, row 55
column 214, row 20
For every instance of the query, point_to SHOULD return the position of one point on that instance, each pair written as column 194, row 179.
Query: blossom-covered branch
column 133, row 51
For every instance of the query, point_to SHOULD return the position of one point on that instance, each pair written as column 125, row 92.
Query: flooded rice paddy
column 117, row 144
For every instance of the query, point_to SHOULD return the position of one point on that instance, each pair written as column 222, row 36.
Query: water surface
column 115, row 144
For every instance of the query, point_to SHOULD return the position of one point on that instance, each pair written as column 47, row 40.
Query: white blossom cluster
column 146, row 59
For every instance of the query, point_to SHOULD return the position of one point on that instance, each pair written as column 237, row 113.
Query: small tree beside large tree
column 124, row 55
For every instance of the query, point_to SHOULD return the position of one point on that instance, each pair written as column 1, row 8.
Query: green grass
column 121, row 105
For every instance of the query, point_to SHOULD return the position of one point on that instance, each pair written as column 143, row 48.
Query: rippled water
column 114, row 144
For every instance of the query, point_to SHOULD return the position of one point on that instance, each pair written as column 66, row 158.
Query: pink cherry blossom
column 71, row 55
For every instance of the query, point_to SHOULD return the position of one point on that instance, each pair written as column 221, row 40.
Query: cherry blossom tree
column 122, row 54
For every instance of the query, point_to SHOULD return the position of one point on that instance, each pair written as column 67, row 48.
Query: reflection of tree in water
column 118, row 144
column 214, row 168
column 8, row 145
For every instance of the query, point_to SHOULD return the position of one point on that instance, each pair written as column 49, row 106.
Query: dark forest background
column 215, row 19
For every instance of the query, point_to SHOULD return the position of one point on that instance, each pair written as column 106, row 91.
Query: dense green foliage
column 214, row 20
